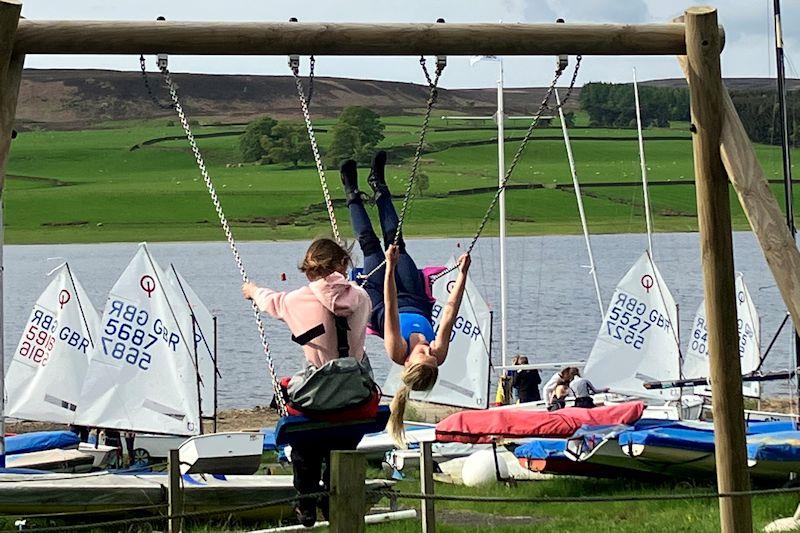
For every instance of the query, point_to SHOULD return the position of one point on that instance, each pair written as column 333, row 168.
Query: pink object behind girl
column 309, row 306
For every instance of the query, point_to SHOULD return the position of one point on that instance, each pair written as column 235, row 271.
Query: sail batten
column 142, row 375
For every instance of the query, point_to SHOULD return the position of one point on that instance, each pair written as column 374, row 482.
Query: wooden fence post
column 348, row 498
column 703, row 48
column 175, row 494
column 426, row 487
column 10, row 75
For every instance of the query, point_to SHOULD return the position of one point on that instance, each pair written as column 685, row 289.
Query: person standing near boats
column 328, row 318
column 526, row 382
column 401, row 308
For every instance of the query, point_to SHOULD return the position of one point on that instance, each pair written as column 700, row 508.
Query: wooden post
column 175, row 494
column 426, row 487
column 714, row 220
column 10, row 75
column 348, row 499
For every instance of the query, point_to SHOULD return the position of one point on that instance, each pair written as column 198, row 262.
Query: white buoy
column 785, row 524
column 481, row 468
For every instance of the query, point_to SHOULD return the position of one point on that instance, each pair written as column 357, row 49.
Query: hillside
column 65, row 99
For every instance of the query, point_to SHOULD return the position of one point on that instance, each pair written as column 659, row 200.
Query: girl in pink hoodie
column 309, row 313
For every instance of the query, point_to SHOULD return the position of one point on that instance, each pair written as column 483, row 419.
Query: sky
column 748, row 26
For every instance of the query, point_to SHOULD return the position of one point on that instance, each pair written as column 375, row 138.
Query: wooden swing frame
column 722, row 150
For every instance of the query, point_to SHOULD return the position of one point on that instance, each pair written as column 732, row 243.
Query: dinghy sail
column 47, row 371
column 203, row 348
column 638, row 340
column 749, row 324
column 464, row 376
column 142, row 375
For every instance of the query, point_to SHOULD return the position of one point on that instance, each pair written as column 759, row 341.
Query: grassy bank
column 105, row 185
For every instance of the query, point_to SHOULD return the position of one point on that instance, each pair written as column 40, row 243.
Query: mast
column 579, row 199
column 786, row 159
column 643, row 165
column 501, row 170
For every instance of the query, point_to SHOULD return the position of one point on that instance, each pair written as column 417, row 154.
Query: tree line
column 612, row 105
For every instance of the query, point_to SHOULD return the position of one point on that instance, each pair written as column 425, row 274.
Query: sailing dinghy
column 143, row 376
column 695, row 362
column 48, row 369
column 463, row 379
column 638, row 339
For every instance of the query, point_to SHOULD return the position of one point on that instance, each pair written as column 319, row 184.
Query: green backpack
column 338, row 384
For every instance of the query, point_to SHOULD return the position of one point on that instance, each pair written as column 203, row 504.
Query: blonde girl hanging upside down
column 401, row 309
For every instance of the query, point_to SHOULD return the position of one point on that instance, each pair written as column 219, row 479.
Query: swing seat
column 299, row 426
column 295, row 429
column 425, row 273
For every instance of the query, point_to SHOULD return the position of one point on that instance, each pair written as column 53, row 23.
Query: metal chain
column 412, row 177
column 146, row 80
column 304, row 102
column 173, row 91
column 517, row 157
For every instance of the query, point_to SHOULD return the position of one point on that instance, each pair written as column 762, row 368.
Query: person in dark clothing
column 526, row 382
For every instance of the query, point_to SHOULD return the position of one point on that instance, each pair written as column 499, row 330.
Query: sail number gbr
column 129, row 333
column 628, row 319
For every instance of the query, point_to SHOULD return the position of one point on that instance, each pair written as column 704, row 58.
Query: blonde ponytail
column 419, row 377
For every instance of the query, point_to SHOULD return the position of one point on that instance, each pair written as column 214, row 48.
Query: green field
column 89, row 186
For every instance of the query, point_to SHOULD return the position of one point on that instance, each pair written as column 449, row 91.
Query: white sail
column 749, row 326
column 48, row 368
column 464, row 376
column 203, row 333
column 142, row 376
column 638, row 340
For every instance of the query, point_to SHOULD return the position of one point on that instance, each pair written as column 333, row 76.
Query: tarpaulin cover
column 779, row 446
column 688, row 437
column 542, row 449
column 41, row 440
column 671, row 437
column 479, row 427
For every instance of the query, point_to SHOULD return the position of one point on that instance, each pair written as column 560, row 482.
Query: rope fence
column 586, row 499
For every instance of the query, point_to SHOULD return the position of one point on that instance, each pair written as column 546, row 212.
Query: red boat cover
column 481, row 427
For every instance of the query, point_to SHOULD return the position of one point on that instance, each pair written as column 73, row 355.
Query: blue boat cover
column 40, row 440
column 269, row 439
column 542, row 449
column 671, row 437
column 756, row 428
column 778, row 446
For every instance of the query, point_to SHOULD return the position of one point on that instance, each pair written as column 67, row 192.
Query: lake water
column 553, row 312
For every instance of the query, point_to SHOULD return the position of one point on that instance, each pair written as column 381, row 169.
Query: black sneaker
column 306, row 515
column 377, row 178
column 349, row 173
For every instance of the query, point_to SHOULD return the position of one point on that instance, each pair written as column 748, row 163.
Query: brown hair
column 418, row 376
column 324, row 256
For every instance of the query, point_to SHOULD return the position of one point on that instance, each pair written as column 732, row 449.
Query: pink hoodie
column 309, row 306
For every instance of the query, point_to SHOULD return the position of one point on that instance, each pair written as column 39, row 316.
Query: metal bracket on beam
column 563, row 59
column 294, row 59
column 441, row 61
column 162, row 60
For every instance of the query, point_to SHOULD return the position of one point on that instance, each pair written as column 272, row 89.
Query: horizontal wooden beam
column 283, row 38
